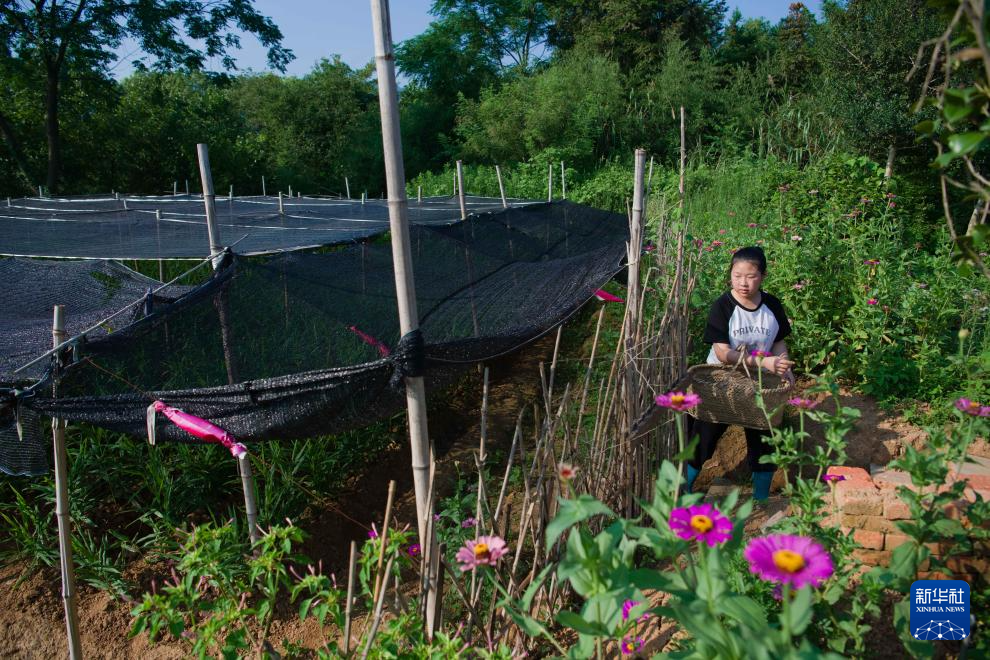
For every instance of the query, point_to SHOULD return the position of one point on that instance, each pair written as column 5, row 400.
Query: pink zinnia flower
column 414, row 550
column 566, row 471
column 717, row 243
column 799, row 402
column 794, row 560
column 468, row 522
column 627, row 607
column 699, row 242
column 796, row 238
column 482, row 551
column 891, row 205
column 701, row 522
column 890, row 195
column 872, row 301
column 833, row 477
column 760, row 353
column 871, row 262
column 722, row 231
column 973, row 408
column 751, row 225
column 631, row 645
column 372, row 533
column 678, row 401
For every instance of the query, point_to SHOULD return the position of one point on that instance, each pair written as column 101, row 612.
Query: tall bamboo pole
column 209, row 200
column 563, row 182
column 680, row 185
column 264, row 189
column 347, row 185
column 460, row 189
column 405, row 286
column 631, row 396
column 501, row 188
column 62, row 509
column 550, row 182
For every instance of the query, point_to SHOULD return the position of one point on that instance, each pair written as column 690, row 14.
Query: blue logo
column 939, row 609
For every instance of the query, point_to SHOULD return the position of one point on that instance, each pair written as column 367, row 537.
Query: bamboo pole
column 501, row 188
column 264, row 189
column 281, row 204
column 550, row 182
column 250, row 505
column 62, row 508
column 384, row 538
column 563, row 182
column 680, row 185
column 209, row 200
column 348, row 606
column 405, row 286
column 158, row 236
column 175, row 188
column 347, row 185
column 187, row 186
column 460, row 189
column 419, row 194
column 290, row 192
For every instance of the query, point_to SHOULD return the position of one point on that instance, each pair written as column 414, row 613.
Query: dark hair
column 753, row 254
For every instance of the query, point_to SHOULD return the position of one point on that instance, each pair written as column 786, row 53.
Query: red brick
column 831, row 520
column 872, row 557
column 867, row 539
column 974, row 565
column 895, row 508
column 867, row 523
column 980, row 482
column 855, row 499
column 891, row 479
column 891, row 541
column 851, row 474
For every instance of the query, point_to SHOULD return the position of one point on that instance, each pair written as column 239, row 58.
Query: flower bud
column 963, row 333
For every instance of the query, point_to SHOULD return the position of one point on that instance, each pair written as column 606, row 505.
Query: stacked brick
column 867, row 507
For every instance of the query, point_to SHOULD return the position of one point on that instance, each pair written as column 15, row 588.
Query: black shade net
column 174, row 226
column 301, row 345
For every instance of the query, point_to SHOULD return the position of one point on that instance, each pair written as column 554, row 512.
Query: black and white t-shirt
column 731, row 323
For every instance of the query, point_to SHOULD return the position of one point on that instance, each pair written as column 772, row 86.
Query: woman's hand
column 778, row 364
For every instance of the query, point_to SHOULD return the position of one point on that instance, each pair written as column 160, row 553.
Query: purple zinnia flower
column 973, row 408
column 482, row 551
column 871, row 262
column 872, row 301
column 759, row 353
column 372, row 533
column 832, row 478
column 795, row 560
column 627, row 607
column 751, row 225
column 799, row 402
column 701, row 522
column 414, row 550
column 678, row 401
column 468, row 522
column 631, row 645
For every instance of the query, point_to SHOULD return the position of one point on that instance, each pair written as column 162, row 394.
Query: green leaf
column 744, row 610
column 964, row 143
column 574, row 621
column 304, row 607
column 573, row 511
column 797, row 615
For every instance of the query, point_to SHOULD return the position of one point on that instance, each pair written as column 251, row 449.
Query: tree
column 631, row 32
column 56, row 41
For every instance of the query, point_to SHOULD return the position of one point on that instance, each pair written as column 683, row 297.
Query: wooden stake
column 460, row 190
column 563, row 182
column 348, row 606
column 264, row 189
column 347, row 185
column 501, row 188
column 62, row 508
column 290, row 192
column 550, row 182
column 419, row 194
column 187, row 186
column 384, row 537
column 378, row 615
column 405, row 286
column 281, row 204
column 175, row 188
column 230, row 195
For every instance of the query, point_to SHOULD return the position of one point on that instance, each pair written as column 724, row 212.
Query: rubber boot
column 692, row 474
column 761, row 485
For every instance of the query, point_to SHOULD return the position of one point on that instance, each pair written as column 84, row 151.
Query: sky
column 314, row 29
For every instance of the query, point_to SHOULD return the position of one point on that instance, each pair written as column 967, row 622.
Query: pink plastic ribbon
column 605, row 296
column 383, row 350
column 201, row 428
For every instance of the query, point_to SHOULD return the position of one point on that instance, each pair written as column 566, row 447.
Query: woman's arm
column 777, row 363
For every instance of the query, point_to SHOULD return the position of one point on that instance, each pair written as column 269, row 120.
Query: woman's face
column 746, row 278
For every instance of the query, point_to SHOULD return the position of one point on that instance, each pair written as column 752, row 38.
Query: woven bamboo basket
column 728, row 395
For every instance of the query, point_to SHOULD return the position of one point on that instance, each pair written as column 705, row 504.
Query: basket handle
column 741, row 360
